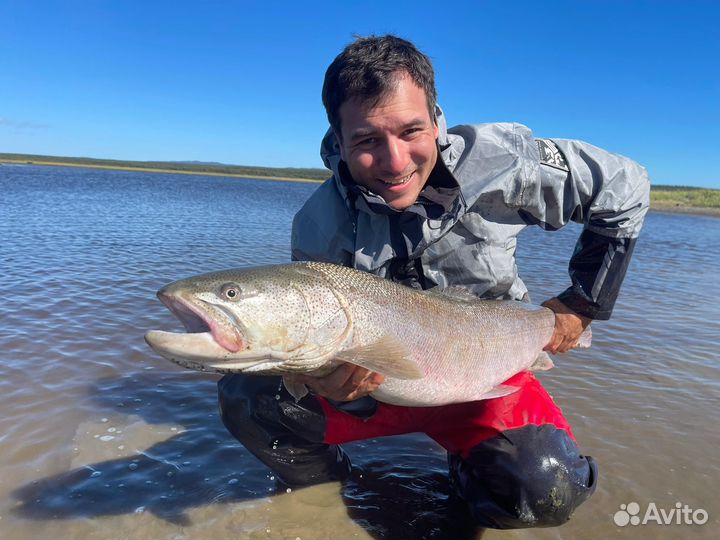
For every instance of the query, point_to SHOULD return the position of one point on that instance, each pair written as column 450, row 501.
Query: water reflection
column 203, row 465
column 197, row 467
column 407, row 501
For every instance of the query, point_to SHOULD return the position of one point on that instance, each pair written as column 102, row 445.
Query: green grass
column 197, row 168
column 683, row 196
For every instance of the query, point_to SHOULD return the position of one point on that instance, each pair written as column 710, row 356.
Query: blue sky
column 239, row 82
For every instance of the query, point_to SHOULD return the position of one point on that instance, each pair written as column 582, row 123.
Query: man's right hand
column 346, row 383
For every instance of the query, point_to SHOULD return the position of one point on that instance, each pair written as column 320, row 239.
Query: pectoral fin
column 499, row 391
column 542, row 363
column 297, row 390
column 386, row 356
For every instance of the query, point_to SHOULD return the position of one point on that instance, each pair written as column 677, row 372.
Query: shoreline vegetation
column 676, row 199
column 290, row 174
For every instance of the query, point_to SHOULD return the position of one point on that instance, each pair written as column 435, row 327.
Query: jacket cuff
column 597, row 270
column 581, row 305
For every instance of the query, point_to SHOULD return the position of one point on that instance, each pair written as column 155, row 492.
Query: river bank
column 685, row 200
column 670, row 199
column 680, row 209
column 205, row 169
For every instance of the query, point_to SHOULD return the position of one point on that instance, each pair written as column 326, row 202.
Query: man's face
column 390, row 147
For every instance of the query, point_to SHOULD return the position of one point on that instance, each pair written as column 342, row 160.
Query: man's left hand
column 568, row 327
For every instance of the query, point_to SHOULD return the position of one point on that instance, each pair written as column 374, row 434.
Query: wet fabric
column 512, row 459
column 533, row 476
column 285, row 435
column 458, row 427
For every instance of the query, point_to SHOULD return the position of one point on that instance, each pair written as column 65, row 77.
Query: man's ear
column 340, row 144
column 436, row 129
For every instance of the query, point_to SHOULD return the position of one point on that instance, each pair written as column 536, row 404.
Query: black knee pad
column 283, row 433
column 265, row 401
column 238, row 399
column 532, row 476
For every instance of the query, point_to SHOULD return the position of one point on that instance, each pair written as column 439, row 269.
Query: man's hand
column 568, row 327
column 346, row 383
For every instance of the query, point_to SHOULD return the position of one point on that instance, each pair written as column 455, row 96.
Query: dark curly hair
column 368, row 70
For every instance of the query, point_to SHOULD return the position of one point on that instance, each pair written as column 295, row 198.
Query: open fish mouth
column 214, row 340
column 192, row 320
column 217, row 322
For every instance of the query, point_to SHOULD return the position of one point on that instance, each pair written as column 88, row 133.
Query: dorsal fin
column 456, row 292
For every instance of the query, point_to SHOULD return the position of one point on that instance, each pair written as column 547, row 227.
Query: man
column 429, row 207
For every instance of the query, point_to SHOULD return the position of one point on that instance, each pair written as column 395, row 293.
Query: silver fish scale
column 465, row 346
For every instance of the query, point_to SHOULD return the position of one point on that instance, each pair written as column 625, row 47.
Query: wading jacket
column 490, row 182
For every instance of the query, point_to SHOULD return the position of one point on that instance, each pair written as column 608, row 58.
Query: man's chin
column 399, row 197
column 399, row 202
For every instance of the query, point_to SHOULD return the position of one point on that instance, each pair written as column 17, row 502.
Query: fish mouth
column 214, row 341
column 197, row 320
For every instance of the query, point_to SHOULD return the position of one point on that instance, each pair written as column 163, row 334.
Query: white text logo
column 680, row 514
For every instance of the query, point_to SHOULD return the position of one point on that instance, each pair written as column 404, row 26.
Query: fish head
column 271, row 319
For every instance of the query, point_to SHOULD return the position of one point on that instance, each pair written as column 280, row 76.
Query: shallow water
column 101, row 438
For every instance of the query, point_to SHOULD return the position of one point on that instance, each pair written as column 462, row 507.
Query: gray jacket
column 493, row 180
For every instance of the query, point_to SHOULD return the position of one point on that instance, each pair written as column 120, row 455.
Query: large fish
column 434, row 348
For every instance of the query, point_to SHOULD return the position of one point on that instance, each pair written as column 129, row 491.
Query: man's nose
column 395, row 157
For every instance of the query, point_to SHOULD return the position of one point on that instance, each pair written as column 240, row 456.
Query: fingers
column 346, row 383
column 338, row 384
column 368, row 384
column 560, row 344
column 553, row 344
column 568, row 327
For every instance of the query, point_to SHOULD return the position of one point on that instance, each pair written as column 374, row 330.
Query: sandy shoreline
column 692, row 210
column 654, row 207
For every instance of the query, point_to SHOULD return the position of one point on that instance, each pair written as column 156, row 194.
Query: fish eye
column 230, row 291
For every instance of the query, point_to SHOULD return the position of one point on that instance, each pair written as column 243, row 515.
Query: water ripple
column 95, row 426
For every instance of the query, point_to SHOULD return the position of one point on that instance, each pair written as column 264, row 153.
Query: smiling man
column 431, row 207
column 390, row 148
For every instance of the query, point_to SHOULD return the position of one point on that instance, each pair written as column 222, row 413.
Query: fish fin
column 460, row 293
column 499, row 391
column 456, row 292
column 297, row 390
column 543, row 362
column 585, row 339
column 386, row 356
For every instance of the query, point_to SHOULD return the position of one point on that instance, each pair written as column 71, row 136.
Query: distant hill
column 217, row 163
column 660, row 187
column 196, row 167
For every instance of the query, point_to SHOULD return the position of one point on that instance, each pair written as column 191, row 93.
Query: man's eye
column 368, row 142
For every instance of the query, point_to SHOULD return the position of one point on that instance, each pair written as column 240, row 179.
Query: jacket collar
column 440, row 197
